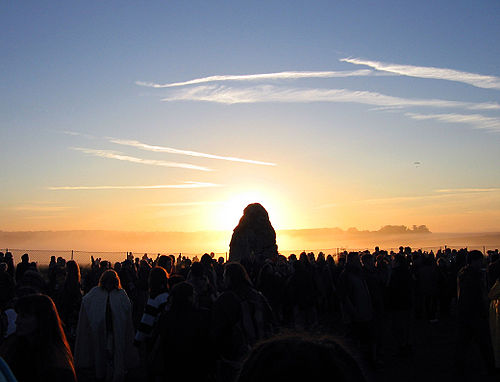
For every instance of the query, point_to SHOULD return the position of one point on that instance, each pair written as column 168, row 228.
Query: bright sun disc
column 231, row 211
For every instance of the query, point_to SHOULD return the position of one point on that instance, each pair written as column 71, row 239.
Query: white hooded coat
column 93, row 343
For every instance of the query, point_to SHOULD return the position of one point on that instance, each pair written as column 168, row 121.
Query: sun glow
column 231, row 210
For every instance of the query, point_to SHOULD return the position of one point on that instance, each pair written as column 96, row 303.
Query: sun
column 231, row 210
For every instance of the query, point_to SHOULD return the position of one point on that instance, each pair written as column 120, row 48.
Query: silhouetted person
column 39, row 350
column 204, row 290
column 300, row 358
column 494, row 296
column 105, row 334
column 357, row 303
column 184, row 332
column 473, row 312
column 241, row 316
column 493, row 268
column 158, row 296
column 69, row 299
column 22, row 267
column 301, row 294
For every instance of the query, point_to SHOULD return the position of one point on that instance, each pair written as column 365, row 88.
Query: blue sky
column 344, row 146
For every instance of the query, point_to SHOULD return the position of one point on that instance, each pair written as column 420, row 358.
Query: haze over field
column 162, row 121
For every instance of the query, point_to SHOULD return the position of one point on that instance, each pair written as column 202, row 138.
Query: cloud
column 188, row 184
column 151, row 162
column 476, row 120
column 441, row 194
column 396, row 199
column 477, row 80
column 40, row 208
column 170, row 150
column 262, row 76
column 467, row 190
column 269, row 93
column 185, row 204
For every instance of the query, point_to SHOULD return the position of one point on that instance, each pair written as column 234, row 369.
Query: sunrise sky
column 173, row 115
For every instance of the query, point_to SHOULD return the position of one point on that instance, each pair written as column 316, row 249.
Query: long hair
column 158, row 281
column 73, row 273
column 49, row 337
column 110, row 280
column 236, row 276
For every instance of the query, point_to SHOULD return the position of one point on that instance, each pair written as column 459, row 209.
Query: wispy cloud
column 396, row 199
column 152, row 162
column 269, row 93
column 441, row 194
column 476, row 120
column 40, row 208
column 467, row 190
column 262, row 76
column 183, row 185
column 185, row 204
column 474, row 79
column 170, row 150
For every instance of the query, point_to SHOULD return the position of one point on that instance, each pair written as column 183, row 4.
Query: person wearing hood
column 105, row 333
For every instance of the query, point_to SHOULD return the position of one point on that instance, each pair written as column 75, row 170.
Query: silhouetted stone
column 254, row 236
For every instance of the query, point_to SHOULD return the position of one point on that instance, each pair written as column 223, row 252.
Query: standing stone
column 254, row 237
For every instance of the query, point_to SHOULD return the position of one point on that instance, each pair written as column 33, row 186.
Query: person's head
column 39, row 322
column 72, row 271
column 441, row 263
column 399, row 261
column 206, row 260
column 182, row 296
column 109, row 280
column 353, row 260
column 220, row 260
column 197, row 270
column 175, row 279
column 165, row 262
column 300, row 357
column 235, row 276
column 475, row 259
column 25, row 258
column 494, row 256
column 368, row 261
column 158, row 281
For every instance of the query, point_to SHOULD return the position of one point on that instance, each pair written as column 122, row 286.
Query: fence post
column 71, row 254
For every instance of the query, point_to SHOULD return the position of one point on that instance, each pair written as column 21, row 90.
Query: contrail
column 474, row 79
column 262, row 76
column 153, row 187
column 127, row 158
column 171, row 150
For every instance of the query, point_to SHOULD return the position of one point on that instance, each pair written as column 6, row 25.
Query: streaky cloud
column 40, row 208
column 170, row 150
column 262, row 76
column 152, row 162
column 185, row 204
column 269, row 93
column 184, row 185
column 474, row 79
column 476, row 120
column 467, row 190
column 440, row 194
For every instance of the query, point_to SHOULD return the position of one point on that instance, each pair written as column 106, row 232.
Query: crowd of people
column 259, row 319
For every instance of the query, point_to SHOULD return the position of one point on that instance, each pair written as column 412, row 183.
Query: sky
column 173, row 115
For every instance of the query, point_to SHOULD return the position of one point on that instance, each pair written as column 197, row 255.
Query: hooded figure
column 105, row 333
